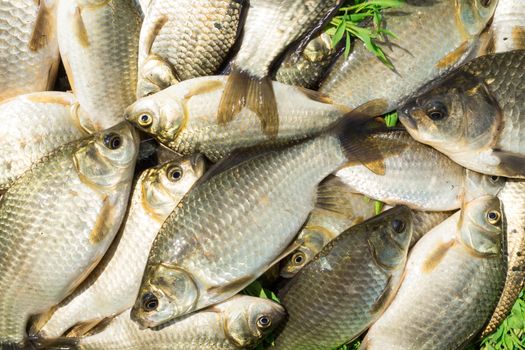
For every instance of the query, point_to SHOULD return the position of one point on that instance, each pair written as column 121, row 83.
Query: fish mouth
column 406, row 118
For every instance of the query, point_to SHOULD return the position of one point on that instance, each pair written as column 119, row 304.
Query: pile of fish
column 190, row 148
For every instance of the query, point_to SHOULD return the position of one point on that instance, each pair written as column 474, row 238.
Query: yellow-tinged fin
column 79, row 28
column 82, row 328
column 38, row 322
column 233, row 286
column 153, row 33
column 204, row 87
column 316, row 95
column 98, row 233
column 453, row 57
column 243, row 90
column 518, row 37
column 487, row 43
column 44, row 27
column 361, row 150
column 434, row 258
column 58, row 99
column 332, row 196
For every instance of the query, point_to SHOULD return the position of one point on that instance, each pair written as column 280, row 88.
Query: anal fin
column 244, row 90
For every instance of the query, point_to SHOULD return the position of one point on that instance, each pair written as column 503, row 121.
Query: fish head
column 164, row 186
column 481, row 226
column 457, row 114
column 312, row 241
column 159, row 115
column 108, row 158
column 390, row 236
column 155, row 75
column 166, row 293
column 319, row 49
column 477, row 185
column 474, row 15
column 249, row 319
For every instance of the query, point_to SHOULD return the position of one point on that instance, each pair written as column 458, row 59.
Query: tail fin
column 244, row 90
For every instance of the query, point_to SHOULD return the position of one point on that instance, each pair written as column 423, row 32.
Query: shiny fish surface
column 432, row 310
column 184, row 118
column 245, row 221
column 184, row 39
column 348, row 284
column 32, row 126
column 238, row 323
column 431, row 38
column 417, row 176
column 476, row 115
column 28, row 46
column 113, row 286
column 98, row 43
column 507, row 31
column 513, row 199
column 57, row 221
column 424, row 221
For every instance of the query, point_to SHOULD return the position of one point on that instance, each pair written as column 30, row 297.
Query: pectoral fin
column 79, row 28
column 44, row 27
column 511, row 164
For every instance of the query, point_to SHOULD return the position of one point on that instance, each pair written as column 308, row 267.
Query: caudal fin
column 244, row 90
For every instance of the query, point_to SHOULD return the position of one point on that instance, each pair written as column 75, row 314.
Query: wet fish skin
column 29, row 56
column 512, row 197
column 507, row 30
column 437, row 184
column 476, row 115
column 185, row 39
column 230, row 325
column 424, row 221
column 184, row 118
column 32, row 126
column 468, row 245
column 57, row 220
column 113, row 286
column 337, row 209
column 348, row 284
column 98, row 42
column 432, row 38
column 307, row 68
column 184, row 272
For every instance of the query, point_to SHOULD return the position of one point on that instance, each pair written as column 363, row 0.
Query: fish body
column 245, row 221
column 432, row 310
column 271, row 26
column 476, row 115
column 347, row 285
column 32, row 126
column 238, row 323
column 424, row 221
column 57, row 220
column 184, row 118
column 431, row 38
column 185, row 39
column 29, row 56
column 113, row 286
column 307, row 67
column 98, row 42
column 507, row 31
column 417, row 175
column 512, row 197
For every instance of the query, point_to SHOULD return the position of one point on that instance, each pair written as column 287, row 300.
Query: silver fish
column 507, row 30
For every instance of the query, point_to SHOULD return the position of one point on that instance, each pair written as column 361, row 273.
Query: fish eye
column 493, row 217
column 436, row 111
column 485, row 3
column 174, row 173
column 149, row 302
column 264, row 322
column 494, row 179
column 112, row 141
column 398, row 225
column 145, row 120
column 298, row 258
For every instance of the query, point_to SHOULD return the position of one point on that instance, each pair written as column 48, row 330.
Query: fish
column 424, row 221
column 507, row 30
column 29, row 55
column 512, row 197
column 476, row 115
column 271, row 26
column 307, row 68
column 33, row 125
column 98, row 43
column 183, row 118
column 113, row 285
column 336, row 210
column 431, row 39
column 432, row 310
column 238, row 323
column 57, row 221
column 235, row 223
column 348, row 285
column 186, row 39
column 416, row 175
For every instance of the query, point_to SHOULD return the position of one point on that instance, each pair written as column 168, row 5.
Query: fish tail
column 245, row 90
